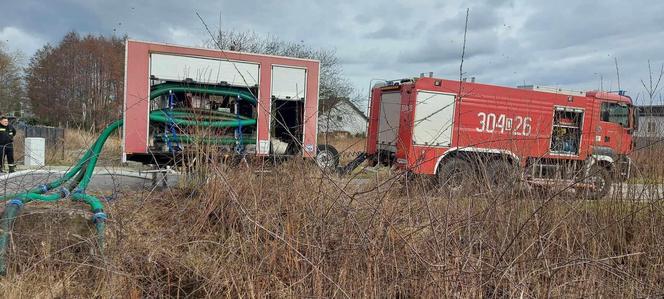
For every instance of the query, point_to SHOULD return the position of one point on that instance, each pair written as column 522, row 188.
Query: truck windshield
column 616, row 113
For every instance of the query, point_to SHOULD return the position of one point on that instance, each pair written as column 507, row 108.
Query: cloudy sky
column 565, row 43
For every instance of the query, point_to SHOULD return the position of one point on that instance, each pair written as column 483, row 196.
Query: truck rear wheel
column 502, row 177
column 327, row 157
column 455, row 177
column 600, row 179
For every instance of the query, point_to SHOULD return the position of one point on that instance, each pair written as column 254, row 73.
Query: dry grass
column 293, row 232
column 649, row 164
column 348, row 146
column 75, row 144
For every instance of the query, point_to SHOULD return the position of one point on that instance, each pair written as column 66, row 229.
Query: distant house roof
column 359, row 112
column 652, row 110
column 328, row 105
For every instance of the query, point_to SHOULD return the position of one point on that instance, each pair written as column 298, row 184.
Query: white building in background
column 651, row 125
column 343, row 117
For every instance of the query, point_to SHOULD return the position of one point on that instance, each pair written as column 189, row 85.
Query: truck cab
column 613, row 133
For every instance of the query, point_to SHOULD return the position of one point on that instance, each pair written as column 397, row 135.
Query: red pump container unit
column 163, row 82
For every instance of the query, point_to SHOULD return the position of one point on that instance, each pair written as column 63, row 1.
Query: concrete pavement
column 104, row 179
column 115, row 179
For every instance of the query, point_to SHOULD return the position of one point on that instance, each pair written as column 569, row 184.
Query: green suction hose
column 165, row 88
column 83, row 170
column 160, row 116
column 96, row 151
column 41, row 189
column 207, row 140
column 199, row 112
column 12, row 209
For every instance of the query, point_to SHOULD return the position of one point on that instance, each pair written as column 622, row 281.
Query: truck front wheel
column 600, row 180
column 455, row 177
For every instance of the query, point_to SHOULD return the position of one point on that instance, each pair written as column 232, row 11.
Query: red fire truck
column 463, row 131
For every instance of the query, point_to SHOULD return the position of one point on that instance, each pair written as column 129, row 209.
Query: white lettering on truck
column 490, row 123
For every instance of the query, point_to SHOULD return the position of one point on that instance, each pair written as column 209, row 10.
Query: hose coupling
column 99, row 217
column 16, row 201
column 64, row 192
column 43, row 188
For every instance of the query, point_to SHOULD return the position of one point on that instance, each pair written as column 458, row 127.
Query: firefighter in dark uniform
column 7, row 133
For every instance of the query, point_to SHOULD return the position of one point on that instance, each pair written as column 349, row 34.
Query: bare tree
column 78, row 82
column 652, row 86
column 12, row 92
column 333, row 86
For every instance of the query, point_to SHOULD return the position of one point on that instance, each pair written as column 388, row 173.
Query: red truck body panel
column 486, row 118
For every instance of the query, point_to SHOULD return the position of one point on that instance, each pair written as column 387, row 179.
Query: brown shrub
column 294, row 232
